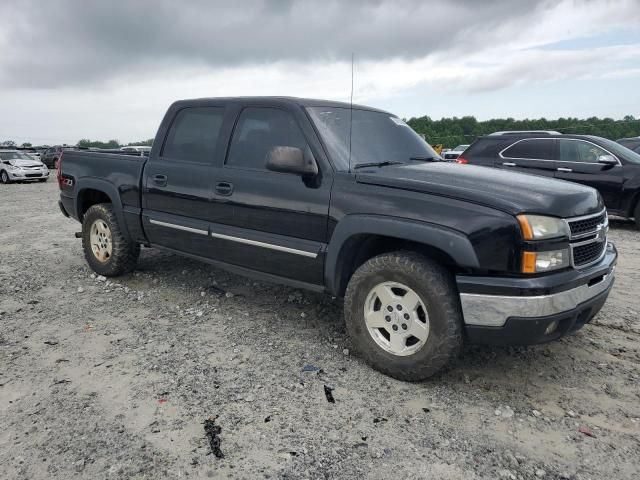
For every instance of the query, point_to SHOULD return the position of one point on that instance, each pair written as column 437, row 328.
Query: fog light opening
column 552, row 327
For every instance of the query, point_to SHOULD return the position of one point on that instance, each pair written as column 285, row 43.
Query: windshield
column 375, row 137
column 14, row 156
column 620, row 151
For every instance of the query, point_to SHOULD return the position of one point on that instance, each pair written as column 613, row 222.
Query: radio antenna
column 351, row 112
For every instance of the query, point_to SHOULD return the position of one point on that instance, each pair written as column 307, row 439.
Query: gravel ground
column 115, row 379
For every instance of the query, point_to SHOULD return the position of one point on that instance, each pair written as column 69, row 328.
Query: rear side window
column 193, row 134
column 257, row 131
column 534, row 148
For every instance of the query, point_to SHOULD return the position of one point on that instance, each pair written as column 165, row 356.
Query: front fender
column 455, row 244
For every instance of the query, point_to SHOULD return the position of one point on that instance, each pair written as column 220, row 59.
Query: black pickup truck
column 352, row 202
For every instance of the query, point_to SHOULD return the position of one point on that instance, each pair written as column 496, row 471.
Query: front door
column 579, row 163
column 279, row 223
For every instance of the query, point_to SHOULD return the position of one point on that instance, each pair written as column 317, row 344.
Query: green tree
column 26, row 145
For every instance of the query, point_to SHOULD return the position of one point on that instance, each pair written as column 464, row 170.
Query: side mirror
column 607, row 160
column 292, row 160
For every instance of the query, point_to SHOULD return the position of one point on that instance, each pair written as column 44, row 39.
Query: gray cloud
column 81, row 42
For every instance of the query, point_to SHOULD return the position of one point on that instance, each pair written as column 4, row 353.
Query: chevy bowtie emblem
column 601, row 233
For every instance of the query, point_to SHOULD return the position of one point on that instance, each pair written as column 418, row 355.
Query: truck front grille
column 588, row 225
column 588, row 253
column 591, row 231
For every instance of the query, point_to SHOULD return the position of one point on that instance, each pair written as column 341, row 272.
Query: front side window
column 193, row 134
column 579, row 151
column 257, row 131
column 533, row 148
column 364, row 136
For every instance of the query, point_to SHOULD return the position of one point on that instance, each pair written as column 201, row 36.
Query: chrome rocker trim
column 494, row 310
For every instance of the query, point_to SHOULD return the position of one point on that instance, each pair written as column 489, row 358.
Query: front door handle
column 562, row 169
column 224, row 188
column 160, row 180
column 509, row 164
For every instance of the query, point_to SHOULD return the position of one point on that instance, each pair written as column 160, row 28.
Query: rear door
column 579, row 163
column 177, row 198
column 279, row 220
column 530, row 155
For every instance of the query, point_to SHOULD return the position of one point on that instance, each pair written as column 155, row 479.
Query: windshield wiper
column 426, row 159
column 378, row 164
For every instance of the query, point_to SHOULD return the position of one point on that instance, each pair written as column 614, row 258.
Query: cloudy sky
column 72, row 69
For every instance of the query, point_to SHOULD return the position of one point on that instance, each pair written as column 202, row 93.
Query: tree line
column 462, row 130
column 456, row 131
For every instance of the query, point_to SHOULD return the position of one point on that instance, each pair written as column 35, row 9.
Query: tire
column 42, row 180
column 435, row 288
column 4, row 177
column 119, row 255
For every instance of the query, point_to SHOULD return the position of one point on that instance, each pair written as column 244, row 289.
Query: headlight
column 538, row 262
column 10, row 166
column 538, row 227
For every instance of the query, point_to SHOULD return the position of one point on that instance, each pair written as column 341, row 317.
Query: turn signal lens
column 528, row 262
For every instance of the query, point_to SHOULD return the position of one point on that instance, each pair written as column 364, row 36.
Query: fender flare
column 452, row 242
column 108, row 189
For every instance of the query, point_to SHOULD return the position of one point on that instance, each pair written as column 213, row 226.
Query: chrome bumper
column 494, row 310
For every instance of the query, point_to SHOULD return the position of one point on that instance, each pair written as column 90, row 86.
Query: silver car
column 16, row 166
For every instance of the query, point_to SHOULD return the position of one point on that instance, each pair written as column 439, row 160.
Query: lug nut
column 390, row 308
column 404, row 326
column 395, row 328
column 399, row 307
column 387, row 318
column 406, row 316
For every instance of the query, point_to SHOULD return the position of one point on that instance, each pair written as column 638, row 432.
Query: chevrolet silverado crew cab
column 352, row 202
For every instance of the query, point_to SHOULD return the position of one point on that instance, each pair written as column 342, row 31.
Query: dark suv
column 605, row 165
column 632, row 143
column 51, row 155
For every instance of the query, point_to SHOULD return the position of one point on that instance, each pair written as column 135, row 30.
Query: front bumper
column 502, row 310
column 26, row 175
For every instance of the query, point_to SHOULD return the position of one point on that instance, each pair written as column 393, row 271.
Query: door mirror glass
column 291, row 160
column 607, row 160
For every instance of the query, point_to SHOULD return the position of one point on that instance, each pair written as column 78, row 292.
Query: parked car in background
column 632, row 143
column 454, row 153
column 350, row 201
column 142, row 149
column 51, row 155
column 603, row 164
column 17, row 166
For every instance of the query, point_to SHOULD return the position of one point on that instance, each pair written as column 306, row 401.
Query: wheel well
column 89, row 197
column 360, row 248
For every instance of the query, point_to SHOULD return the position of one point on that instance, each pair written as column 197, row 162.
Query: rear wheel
column 4, row 177
column 403, row 314
column 108, row 251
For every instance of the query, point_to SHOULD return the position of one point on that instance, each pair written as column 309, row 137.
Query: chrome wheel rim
column 100, row 240
column 396, row 318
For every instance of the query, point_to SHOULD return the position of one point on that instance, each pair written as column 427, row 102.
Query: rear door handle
column 160, row 180
column 562, row 169
column 509, row 164
column 224, row 188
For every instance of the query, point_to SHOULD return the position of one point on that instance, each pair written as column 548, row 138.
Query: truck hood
column 510, row 192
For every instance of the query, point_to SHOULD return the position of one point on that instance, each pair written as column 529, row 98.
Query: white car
column 17, row 166
column 455, row 153
column 142, row 149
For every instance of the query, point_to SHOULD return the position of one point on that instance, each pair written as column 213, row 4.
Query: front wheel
column 403, row 314
column 107, row 250
column 4, row 177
